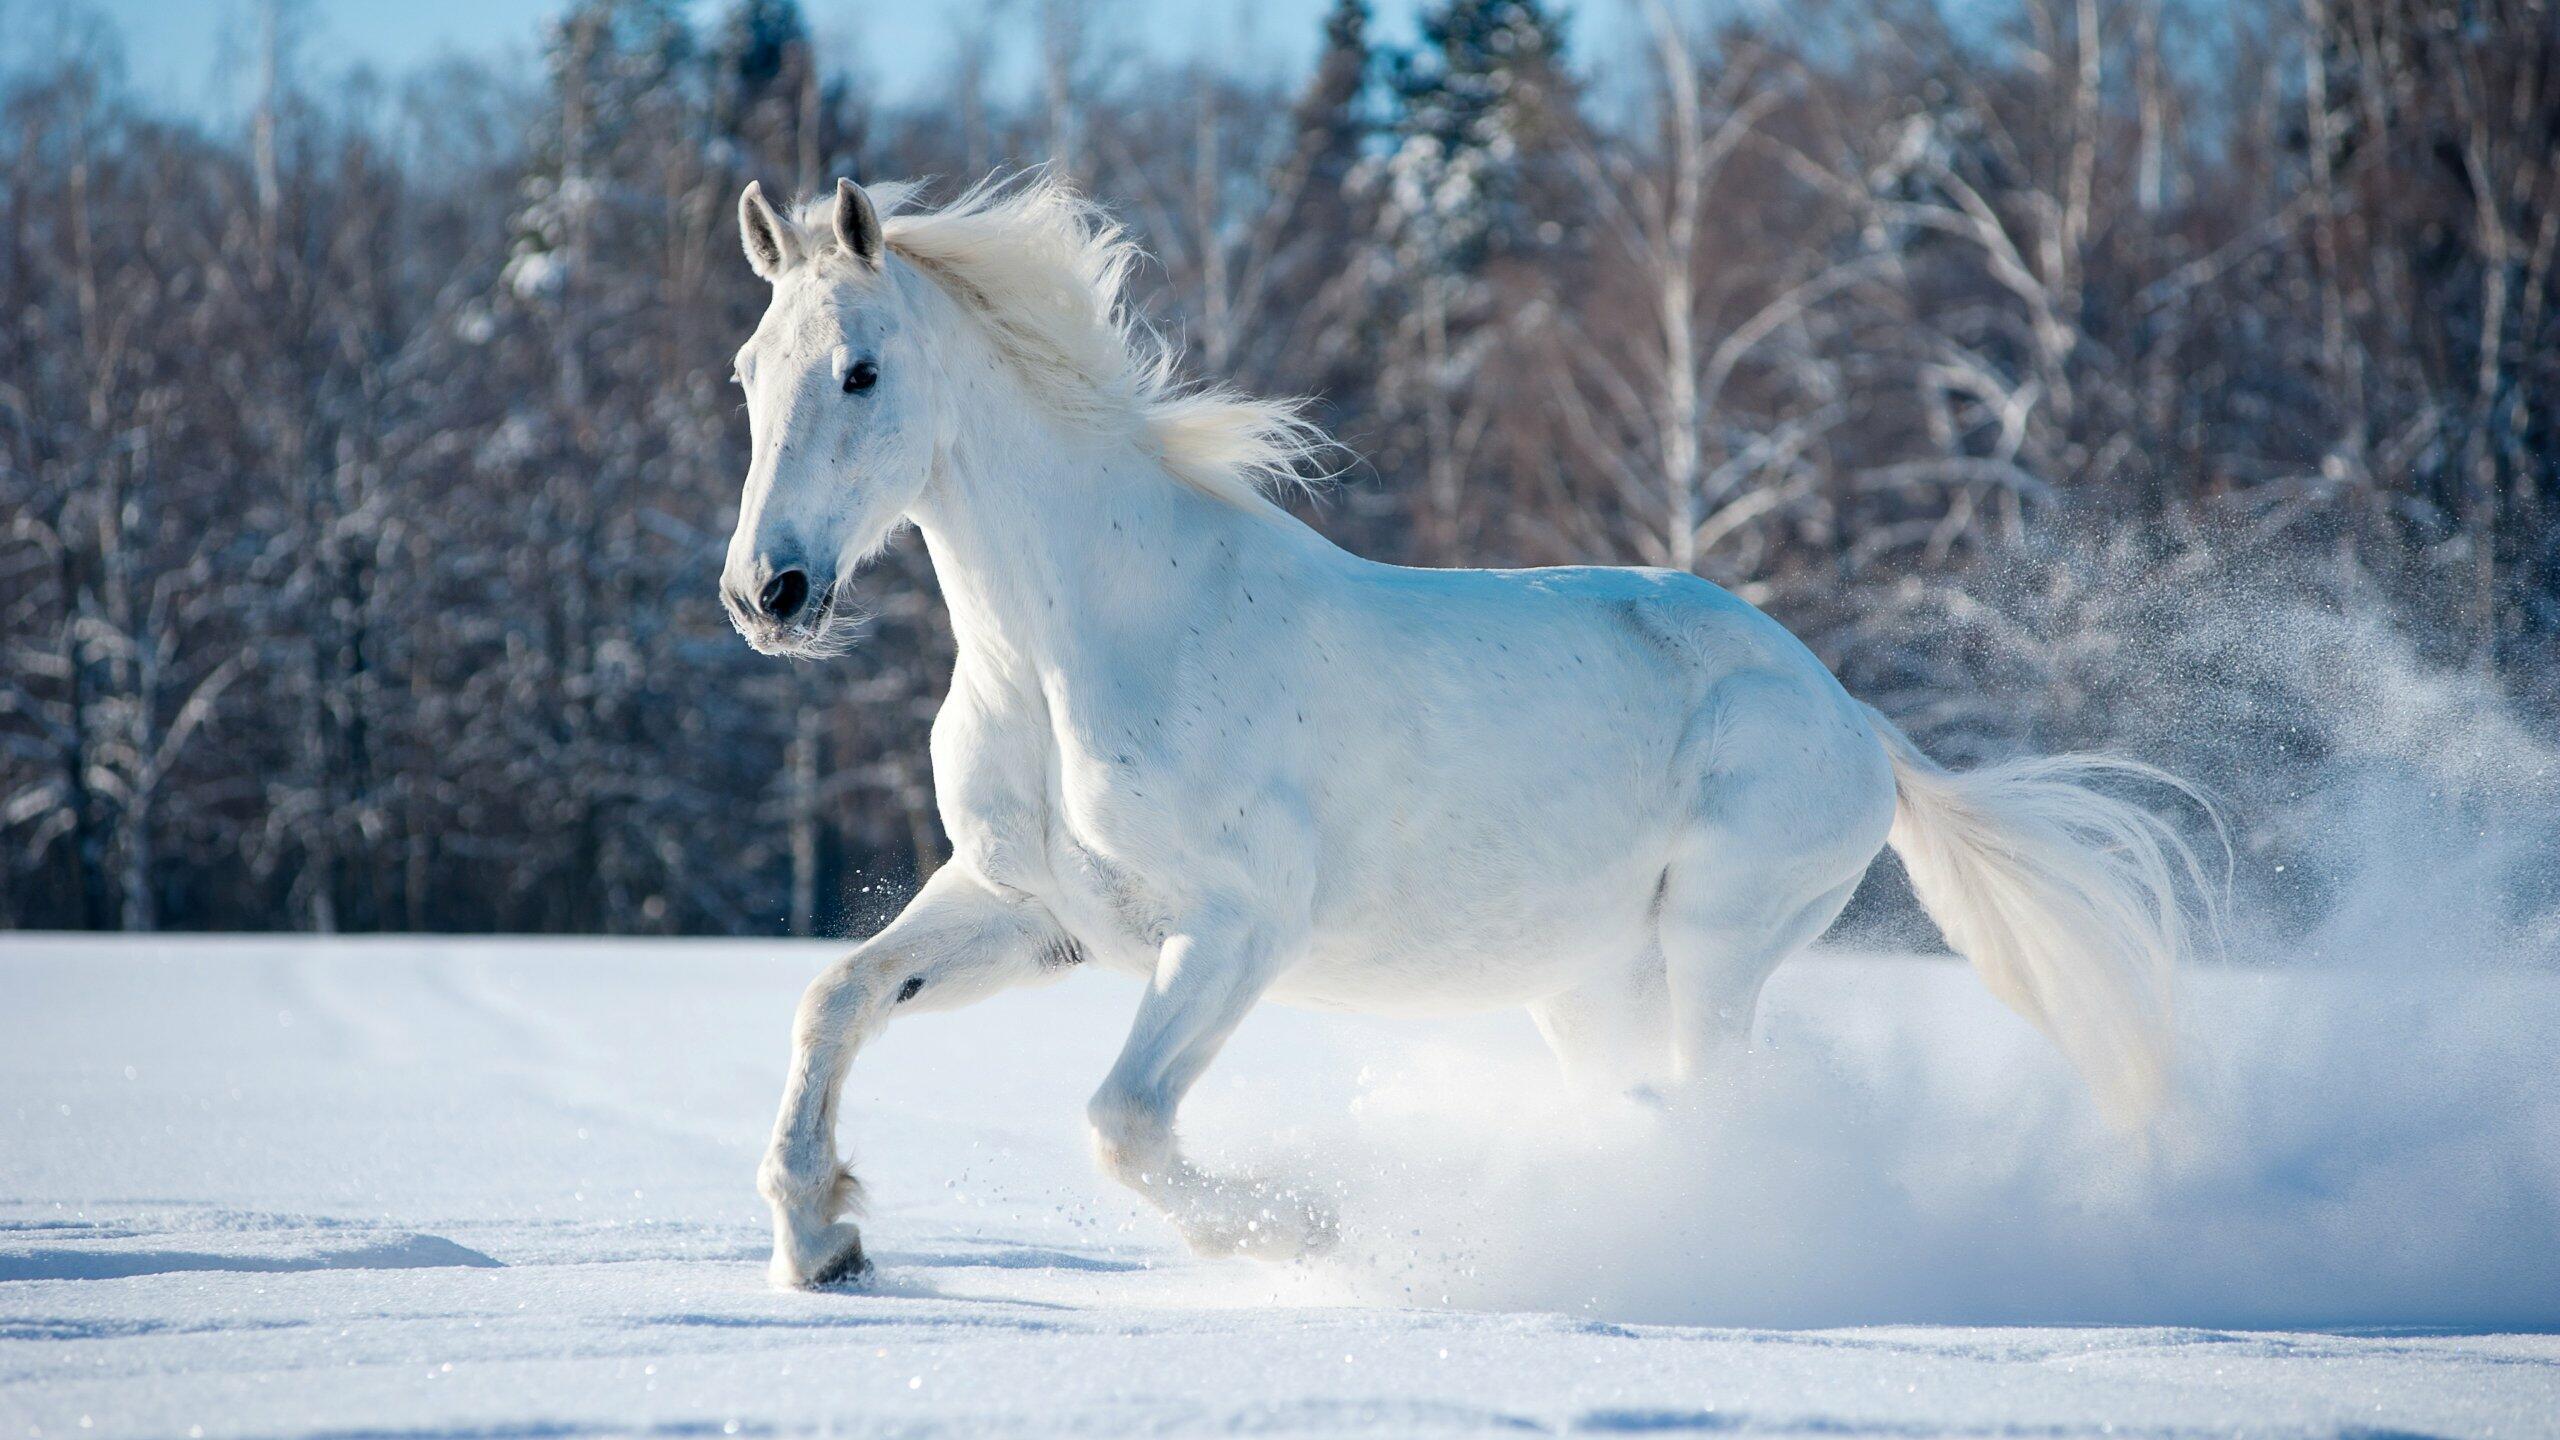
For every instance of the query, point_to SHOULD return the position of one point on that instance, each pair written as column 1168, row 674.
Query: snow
column 282, row 1187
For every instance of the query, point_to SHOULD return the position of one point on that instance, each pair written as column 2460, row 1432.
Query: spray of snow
column 2369, row 1125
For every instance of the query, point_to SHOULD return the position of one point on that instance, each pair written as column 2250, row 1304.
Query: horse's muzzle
column 790, row 614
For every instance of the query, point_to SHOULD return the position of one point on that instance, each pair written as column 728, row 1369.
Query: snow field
column 504, row 1188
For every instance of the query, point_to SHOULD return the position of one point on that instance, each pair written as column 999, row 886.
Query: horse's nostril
column 783, row 597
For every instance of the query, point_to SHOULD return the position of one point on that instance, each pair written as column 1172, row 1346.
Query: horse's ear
column 858, row 224
column 768, row 241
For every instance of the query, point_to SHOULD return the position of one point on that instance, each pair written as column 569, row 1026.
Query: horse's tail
column 2076, row 908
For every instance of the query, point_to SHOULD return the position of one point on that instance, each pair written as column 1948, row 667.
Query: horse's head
column 837, row 415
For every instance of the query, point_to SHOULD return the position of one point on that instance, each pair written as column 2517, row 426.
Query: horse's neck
column 1062, row 553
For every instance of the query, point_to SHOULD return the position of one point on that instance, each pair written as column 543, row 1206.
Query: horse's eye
column 862, row 376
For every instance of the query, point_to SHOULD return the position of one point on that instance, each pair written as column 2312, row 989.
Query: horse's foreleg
column 959, row 940
column 1204, row 985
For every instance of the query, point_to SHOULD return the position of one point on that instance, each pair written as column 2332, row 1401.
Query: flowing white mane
column 1046, row 272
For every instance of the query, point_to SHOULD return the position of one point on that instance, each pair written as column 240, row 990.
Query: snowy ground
column 273, row 1187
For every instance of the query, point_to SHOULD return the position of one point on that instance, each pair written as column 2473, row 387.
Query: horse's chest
column 1120, row 910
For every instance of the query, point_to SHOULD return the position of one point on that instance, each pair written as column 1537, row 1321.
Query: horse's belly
column 1488, row 874
column 1449, row 944
column 1391, row 974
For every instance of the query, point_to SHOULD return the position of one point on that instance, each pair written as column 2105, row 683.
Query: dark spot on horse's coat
column 908, row 991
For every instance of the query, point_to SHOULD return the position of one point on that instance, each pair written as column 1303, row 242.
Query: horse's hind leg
column 1793, row 811
column 1612, row 1033
column 1723, row 934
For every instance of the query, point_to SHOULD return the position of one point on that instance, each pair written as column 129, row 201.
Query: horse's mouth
column 827, row 627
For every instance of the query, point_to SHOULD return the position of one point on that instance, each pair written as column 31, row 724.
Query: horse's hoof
column 851, row 1266
column 832, row 1257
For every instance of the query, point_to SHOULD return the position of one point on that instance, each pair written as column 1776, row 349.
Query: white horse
column 1189, row 739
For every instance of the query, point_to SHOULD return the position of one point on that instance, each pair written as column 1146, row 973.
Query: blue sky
column 194, row 55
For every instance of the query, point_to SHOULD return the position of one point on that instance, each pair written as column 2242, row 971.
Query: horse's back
column 1602, row 656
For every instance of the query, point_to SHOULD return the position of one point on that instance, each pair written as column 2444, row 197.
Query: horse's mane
column 1046, row 272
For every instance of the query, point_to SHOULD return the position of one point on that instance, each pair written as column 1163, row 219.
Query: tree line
column 365, row 469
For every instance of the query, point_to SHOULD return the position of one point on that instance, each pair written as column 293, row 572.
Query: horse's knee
column 832, row 1003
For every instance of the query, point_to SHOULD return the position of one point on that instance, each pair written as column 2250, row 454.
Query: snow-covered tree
column 364, row 466
column 1484, row 108
column 1483, row 104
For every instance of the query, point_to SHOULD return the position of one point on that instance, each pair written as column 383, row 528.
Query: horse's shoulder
column 989, row 777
